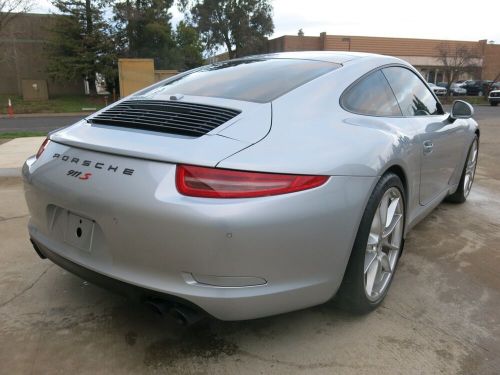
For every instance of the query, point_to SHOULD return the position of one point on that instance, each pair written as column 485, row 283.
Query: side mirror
column 461, row 109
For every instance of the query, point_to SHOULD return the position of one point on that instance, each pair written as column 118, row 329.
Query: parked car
column 494, row 95
column 439, row 91
column 495, row 86
column 254, row 186
column 457, row 89
column 476, row 87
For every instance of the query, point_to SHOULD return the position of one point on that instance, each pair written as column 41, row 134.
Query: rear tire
column 493, row 104
column 468, row 173
column 376, row 249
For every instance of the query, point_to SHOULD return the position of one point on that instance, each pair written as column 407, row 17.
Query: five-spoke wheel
column 377, row 247
column 468, row 173
column 383, row 245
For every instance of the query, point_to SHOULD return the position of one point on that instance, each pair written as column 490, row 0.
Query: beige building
column 421, row 53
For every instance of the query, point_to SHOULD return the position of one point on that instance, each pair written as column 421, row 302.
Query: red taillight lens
column 42, row 148
column 226, row 183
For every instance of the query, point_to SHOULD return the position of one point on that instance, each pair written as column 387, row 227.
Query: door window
column 414, row 98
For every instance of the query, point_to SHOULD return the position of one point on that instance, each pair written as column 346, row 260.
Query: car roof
column 338, row 57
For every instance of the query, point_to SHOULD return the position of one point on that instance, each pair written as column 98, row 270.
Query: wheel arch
column 400, row 172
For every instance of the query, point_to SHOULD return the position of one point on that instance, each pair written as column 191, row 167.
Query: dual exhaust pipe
column 182, row 315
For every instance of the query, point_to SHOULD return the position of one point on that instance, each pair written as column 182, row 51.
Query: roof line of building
column 381, row 37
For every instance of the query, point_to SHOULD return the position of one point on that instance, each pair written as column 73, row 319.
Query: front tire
column 493, row 104
column 468, row 173
column 377, row 248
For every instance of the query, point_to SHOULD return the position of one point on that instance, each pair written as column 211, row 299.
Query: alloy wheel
column 470, row 169
column 384, row 242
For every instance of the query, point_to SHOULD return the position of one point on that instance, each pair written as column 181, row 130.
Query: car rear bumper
column 234, row 259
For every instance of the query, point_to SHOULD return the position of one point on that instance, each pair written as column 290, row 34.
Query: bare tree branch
column 456, row 59
column 9, row 9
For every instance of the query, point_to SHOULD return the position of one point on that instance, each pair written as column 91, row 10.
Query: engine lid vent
column 182, row 118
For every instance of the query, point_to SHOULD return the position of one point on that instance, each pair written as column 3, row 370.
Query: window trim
column 341, row 99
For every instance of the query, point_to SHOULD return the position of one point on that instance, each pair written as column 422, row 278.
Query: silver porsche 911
column 254, row 186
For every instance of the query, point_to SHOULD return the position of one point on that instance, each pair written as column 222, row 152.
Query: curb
column 10, row 172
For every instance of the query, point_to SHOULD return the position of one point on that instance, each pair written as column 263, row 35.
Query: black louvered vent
column 166, row 116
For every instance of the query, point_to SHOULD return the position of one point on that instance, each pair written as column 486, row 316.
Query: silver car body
column 241, row 258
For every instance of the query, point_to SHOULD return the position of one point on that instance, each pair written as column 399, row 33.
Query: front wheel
column 493, row 104
column 468, row 173
column 377, row 247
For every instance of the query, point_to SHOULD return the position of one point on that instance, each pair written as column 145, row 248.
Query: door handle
column 428, row 146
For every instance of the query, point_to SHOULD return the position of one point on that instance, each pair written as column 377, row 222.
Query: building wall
column 136, row 74
column 422, row 53
column 22, row 56
column 491, row 65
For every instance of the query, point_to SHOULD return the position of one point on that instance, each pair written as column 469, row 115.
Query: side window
column 413, row 96
column 371, row 95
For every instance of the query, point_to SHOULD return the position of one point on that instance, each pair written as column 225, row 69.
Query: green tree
column 241, row 26
column 81, row 45
column 190, row 48
column 144, row 31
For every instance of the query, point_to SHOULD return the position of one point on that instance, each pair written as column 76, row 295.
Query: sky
column 428, row 19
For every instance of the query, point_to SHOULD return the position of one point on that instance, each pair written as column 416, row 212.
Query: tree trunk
column 89, row 27
column 92, row 86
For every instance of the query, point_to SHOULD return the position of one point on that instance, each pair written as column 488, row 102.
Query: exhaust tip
column 182, row 315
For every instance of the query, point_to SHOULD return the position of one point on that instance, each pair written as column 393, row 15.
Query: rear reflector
column 207, row 182
column 42, row 148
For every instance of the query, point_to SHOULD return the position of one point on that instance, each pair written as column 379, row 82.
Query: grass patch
column 12, row 135
column 58, row 104
column 474, row 100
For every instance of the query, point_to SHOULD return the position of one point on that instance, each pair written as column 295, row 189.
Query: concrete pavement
column 440, row 317
column 13, row 154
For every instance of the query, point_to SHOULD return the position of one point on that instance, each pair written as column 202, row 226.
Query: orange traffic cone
column 10, row 109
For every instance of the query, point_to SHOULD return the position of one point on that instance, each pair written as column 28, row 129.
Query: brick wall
column 412, row 49
column 491, row 64
column 22, row 55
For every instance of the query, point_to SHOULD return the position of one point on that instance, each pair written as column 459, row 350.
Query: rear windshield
column 254, row 80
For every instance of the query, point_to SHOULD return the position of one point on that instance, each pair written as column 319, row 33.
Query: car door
column 441, row 140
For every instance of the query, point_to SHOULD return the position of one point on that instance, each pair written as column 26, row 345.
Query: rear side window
column 255, row 80
column 414, row 98
column 371, row 95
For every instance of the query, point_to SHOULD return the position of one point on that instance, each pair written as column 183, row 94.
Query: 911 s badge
column 78, row 174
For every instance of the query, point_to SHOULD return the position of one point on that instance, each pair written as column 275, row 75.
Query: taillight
column 42, row 148
column 226, row 183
